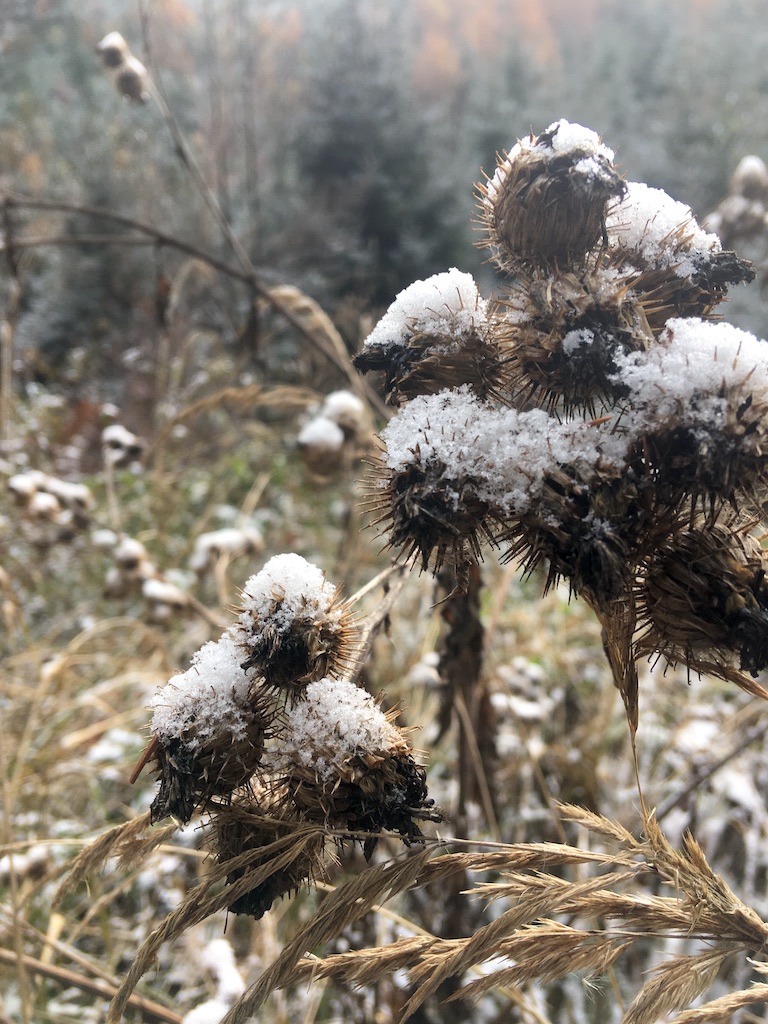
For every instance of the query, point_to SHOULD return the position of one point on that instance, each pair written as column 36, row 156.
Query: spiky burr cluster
column 265, row 734
column 597, row 418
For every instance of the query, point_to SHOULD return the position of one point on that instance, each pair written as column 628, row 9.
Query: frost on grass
column 335, row 722
column 208, row 702
column 445, row 305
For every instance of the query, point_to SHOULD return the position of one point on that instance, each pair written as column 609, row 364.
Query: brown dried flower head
column 345, row 764
column 546, row 203
column 560, row 333
column 293, row 626
column 436, row 334
column 704, row 595
column 209, row 729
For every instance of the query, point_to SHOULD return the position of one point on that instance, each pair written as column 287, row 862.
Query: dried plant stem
column 151, row 1010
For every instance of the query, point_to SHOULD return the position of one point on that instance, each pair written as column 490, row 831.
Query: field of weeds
column 512, row 905
column 433, row 695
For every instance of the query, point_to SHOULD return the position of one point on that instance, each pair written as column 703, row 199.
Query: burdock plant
column 618, row 440
column 595, row 422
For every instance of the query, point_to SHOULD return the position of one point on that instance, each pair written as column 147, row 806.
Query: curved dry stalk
column 199, row 904
column 150, row 1010
column 346, row 905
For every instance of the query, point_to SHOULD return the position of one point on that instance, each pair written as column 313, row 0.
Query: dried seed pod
column 696, row 410
column 457, row 470
column 131, row 80
column 435, row 335
column 345, row 764
column 546, row 203
column 113, row 49
column 321, row 443
column 210, row 724
column 561, row 332
column 587, row 527
column 674, row 267
column 249, row 824
column 704, row 596
column 293, row 626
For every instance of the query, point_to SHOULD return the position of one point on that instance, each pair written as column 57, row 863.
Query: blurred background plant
column 340, row 142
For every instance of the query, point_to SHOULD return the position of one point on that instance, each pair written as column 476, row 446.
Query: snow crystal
column 444, row 304
column 321, row 432
column 506, row 453
column 686, row 373
column 208, row 701
column 335, row 721
column 662, row 231
column 287, row 588
column 577, row 339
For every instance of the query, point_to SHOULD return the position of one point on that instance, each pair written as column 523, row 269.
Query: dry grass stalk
column 540, row 947
column 722, row 1010
column 200, row 903
column 130, row 843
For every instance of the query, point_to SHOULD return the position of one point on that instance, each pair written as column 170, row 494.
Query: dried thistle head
column 673, row 266
column 435, row 335
column 431, row 493
column 209, row 725
column 696, row 410
column 586, row 526
column 293, row 626
column 253, row 823
column 704, row 595
column 546, row 203
column 345, row 764
column 560, row 333
column 112, row 49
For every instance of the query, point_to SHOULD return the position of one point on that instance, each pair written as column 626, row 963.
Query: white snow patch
column 506, row 453
column 208, row 701
column 287, row 589
column 685, row 374
column 446, row 304
column 335, row 721
column 648, row 222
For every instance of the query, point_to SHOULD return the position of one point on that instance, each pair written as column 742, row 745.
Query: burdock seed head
column 435, row 335
column 696, row 409
column 679, row 269
column 456, row 470
column 546, row 203
column 253, row 823
column 704, row 597
column 210, row 724
column 345, row 764
column 560, row 333
column 293, row 626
